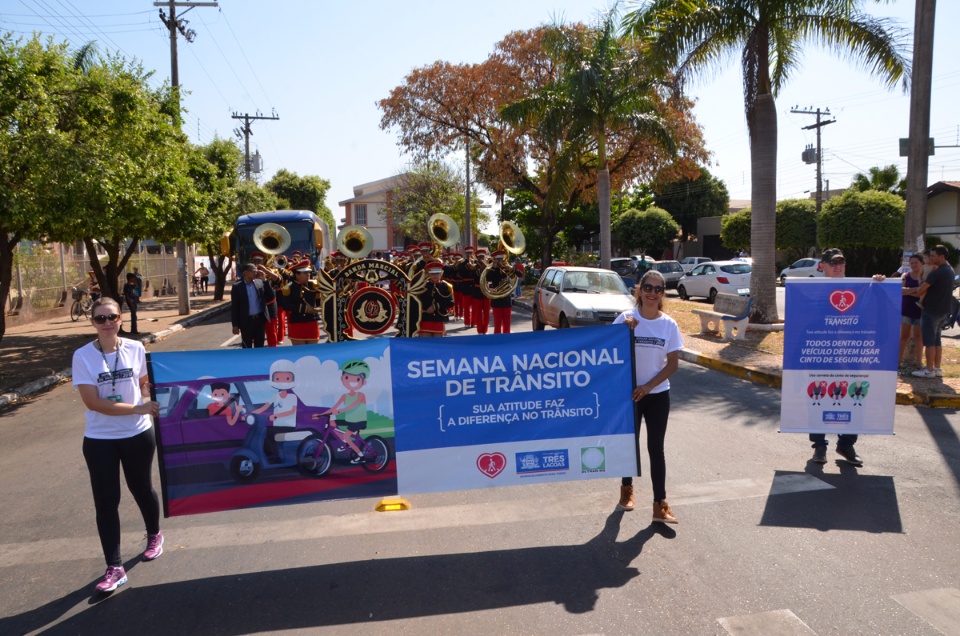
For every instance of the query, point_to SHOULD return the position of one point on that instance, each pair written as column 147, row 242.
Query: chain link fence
column 44, row 274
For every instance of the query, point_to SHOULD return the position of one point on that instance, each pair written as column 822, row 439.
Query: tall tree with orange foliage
column 440, row 107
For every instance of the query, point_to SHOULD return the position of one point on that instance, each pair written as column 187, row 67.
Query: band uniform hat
column 468, row 248
column 830, row 255
column 303, row 266
column 257, row 255
column 425, row 246
column 434, row 267
column 337, row 254
column 498, row 254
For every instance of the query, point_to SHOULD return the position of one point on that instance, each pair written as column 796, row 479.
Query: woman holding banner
column 110, row 374
column 657, row 343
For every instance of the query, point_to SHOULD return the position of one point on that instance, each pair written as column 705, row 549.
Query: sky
column 322, row 65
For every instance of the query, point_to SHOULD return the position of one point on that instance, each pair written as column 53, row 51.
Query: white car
column 805, row 268
column 709, row 279
column 692, row 261
column 579, row 297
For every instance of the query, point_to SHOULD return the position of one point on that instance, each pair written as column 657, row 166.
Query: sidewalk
column 39, row 355
column 764, row 368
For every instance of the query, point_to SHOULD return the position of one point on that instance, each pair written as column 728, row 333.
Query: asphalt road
column 766, row 544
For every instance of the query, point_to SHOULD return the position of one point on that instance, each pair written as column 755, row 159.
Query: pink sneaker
column 154, row 546
column 114, row 578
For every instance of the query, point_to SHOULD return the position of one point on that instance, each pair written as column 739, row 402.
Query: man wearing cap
column 502, row 308
column 435, row 302
column 936, row 290
column 301, row 301
column 251, row 300
column 834, row 265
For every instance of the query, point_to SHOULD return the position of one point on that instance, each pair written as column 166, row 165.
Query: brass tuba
column 271, row 238
column 443, row 231
column 355, row 241
column 512, row 238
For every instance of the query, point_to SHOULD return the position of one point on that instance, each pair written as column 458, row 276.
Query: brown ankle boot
column 662, row 512
column 626, row 498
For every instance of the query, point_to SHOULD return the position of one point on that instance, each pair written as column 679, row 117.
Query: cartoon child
column 223, row 402
column 352, row 406
column 285, row 403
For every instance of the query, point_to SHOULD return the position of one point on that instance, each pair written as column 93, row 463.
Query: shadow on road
column 945, row 436
column 354, row 593
column 862, row 503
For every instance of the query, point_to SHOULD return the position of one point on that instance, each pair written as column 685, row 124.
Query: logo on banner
column 593, row 459
column 843, row 300
column 491, row 464
column 371, row 311
column 542, row 461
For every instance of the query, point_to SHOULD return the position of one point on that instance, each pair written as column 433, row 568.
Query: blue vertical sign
column 840, row 356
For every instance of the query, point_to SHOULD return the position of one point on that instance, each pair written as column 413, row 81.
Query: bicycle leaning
column 82, row 302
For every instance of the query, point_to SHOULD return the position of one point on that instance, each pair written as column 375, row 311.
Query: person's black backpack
column 952, row 314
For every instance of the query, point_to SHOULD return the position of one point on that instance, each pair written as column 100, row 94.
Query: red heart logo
column 491, row 464
column 842, row 300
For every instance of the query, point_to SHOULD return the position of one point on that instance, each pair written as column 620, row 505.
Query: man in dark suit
column 252, row 304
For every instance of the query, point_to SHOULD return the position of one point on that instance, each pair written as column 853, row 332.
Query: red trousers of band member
column 481, row 314
column 458, row 304
column 276, row 329
column 501, row 319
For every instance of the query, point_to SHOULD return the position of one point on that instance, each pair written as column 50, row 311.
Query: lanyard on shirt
column 116, row 362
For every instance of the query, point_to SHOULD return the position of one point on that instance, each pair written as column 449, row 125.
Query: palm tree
column 600, row 90
column 692, row 36
column 886, row 179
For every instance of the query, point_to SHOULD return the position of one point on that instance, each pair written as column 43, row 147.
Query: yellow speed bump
column 393, row 503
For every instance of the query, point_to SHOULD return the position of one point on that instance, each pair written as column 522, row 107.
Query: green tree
column 735, row 230
column 427, row 188
column 302, row 193
column 694, row 36
column 796, row 226
column 867, row 227
column 886, row 179
column 651, row 230
column 34, row 79
column 690, row 199
column 122, row 173
column 215, row 170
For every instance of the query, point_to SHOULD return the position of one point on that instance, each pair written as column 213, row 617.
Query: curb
column 36, row 386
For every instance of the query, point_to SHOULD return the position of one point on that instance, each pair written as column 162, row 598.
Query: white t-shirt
column 283, row 404
column 89, row 368
column 652, row 341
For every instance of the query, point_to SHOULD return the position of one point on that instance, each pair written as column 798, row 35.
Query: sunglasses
column 838, row 261
column 650, row 288
column 103, row 318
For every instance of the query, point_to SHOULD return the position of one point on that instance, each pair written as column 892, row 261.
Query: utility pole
column 244, row 132
column 174, row 24
column 466, row 215
column 820, row 124
column 918, row 160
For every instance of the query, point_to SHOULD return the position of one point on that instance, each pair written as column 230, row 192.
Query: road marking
column 781, row 622
column 230, row 342
column 940, row 608
column 420, row 518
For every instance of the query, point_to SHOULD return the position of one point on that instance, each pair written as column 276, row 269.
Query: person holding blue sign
column 834, row 265
column 657, row 343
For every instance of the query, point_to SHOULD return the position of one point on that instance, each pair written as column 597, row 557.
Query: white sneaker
column 924, row 373
column 938, row 372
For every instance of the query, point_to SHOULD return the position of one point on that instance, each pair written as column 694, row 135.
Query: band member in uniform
column 436, row 302
column 481, row 304
column 502, row 308
column 302, row 301
column 277, row 277
column 451, row 274
column 469, row 280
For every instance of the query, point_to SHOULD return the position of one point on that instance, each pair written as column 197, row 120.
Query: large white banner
column 841, row 339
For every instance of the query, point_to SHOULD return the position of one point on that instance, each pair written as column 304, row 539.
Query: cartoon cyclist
column 351, row 408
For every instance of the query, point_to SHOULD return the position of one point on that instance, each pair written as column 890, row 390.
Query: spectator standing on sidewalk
column 834, row 265
column 936, row 289
column 910, row 312
column 132, row 298
column 656, row 343
column 110, row 374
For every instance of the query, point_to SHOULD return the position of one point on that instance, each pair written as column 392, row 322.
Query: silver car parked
column 579, row 297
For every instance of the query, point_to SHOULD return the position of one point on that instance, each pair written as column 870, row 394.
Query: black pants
column 104, row 458
column 253, row 332
column 654, row 409
column 133, row 316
